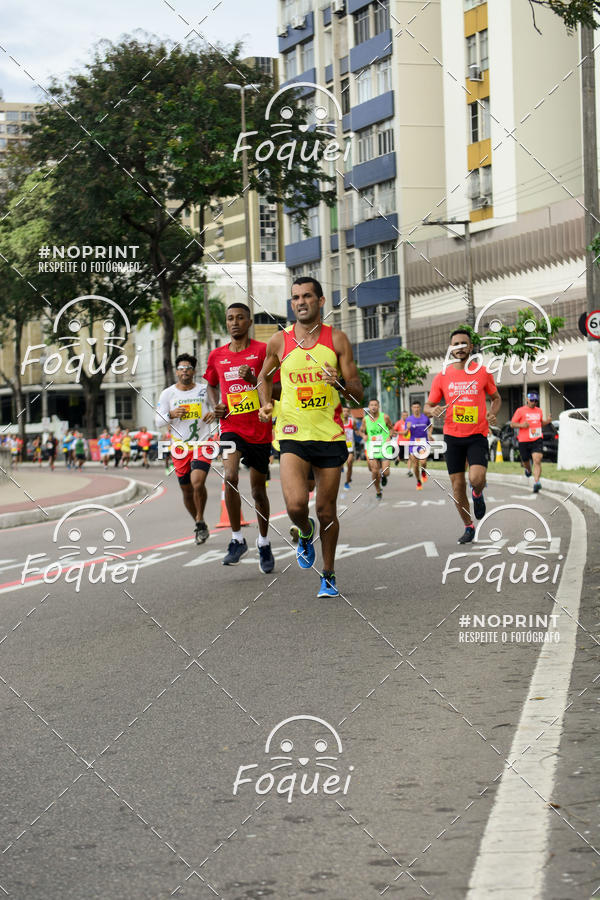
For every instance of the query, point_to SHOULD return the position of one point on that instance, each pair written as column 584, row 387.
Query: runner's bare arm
column 265, row 379
column 494, row 407
column 352, row 389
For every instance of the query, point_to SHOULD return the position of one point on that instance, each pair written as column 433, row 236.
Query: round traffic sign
column 592, row 324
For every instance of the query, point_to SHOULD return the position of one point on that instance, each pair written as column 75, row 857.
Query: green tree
column 147, row 156
column 407, row 369
column 188, row 312
column 572, row 12
column 526, row 340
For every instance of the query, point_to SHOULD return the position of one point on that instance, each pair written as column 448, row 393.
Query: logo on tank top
column 289, row 429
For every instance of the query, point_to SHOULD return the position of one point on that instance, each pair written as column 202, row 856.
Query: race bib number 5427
column 314, row 396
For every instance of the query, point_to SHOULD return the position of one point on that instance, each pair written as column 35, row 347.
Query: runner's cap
column 533, row 395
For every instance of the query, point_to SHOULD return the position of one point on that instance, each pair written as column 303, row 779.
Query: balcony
column 375, row 231
column 310, row 75
column 372, row 172
column 368, row 52
column 302, row 252
column 372, row 353
column 380, row 290
column 376, row 110
column 355, row 5
column 298, row 35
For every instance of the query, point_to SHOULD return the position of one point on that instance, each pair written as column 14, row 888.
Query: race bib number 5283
column 465, row 415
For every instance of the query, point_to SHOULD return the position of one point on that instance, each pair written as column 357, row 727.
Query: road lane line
column 514, row 848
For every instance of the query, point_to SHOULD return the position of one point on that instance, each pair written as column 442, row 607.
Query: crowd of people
column 295, row 395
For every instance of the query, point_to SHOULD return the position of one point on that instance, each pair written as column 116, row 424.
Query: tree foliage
column 572, row 12
column 407, row 369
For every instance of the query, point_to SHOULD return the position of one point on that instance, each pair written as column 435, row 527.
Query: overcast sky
column 55, row 38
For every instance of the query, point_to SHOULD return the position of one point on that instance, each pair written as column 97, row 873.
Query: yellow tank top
column 310, row 409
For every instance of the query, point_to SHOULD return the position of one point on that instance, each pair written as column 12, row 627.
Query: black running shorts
column 320, row 454
column 473, row 449
column 255, row 456
column 526, row 448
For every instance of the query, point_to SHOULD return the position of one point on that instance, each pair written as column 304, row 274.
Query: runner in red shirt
column 529, row 421
column 466, row 425
column 144, row 439
column 231, row 373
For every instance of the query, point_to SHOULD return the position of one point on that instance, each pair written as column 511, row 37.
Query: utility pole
column 207, row 328
column 592, row 212
column 470, row 298
column 338, row 52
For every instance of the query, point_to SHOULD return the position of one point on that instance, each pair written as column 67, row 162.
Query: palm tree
column 189, row 311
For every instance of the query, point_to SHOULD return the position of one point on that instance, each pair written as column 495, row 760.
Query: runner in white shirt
column 186, row 410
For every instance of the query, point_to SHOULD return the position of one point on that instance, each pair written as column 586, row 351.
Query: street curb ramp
column 131, row 491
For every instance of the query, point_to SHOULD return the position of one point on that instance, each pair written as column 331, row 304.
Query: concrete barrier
column 579, row 442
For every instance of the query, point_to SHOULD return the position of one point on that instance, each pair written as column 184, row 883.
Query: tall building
column 13, row 116
column 454, row 110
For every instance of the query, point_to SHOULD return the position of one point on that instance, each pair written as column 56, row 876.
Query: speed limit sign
column 592, row 324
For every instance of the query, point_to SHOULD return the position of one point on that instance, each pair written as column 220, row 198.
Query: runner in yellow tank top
column 317, row 369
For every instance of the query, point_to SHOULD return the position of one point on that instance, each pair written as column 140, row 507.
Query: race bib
column 535, row 433
column 242, row 402
column 465, row 415
column 193, row 411
column 313, row 396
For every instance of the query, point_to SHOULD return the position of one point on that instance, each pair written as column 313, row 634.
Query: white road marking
column 429, row 547
column 514, row 849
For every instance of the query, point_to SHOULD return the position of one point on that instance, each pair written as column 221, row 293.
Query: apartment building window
column 348, row 147
column 470, row 4
column 386, row 200
column 12, row 115
column 389, row 259
column 370, row 323
column 335, row 274
column 365, row 144
column 349, row 209
column 368, row 259
column 383, row 72
column 477, row 54
column 364, row 86
column 390, row 320
column 350, row 270
column 367, row 203
column 385, row 139
column 480, row 187
column 288, row 10
column 307, row 55
column 268, row 231
column 123, row 406
column 12, row 129
column 362, row 30
column 296, row 233
column 26, row 116
column 2, row 143
column 345, row 89
column 290, row 64
column 382, row 16
column 313, row 221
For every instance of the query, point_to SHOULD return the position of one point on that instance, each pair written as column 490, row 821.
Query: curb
column 28, row 516
column 591, row 498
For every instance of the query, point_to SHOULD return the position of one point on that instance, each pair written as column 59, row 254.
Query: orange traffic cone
column 224, row 520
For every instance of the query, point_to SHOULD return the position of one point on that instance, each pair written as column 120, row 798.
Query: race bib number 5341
column 242, row 402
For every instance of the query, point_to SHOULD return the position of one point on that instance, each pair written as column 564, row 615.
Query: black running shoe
column 379, row 495
column 468, row 536
column 537, row 487
column 383, row 480
column 235, row 551
column 266, row 560
column 478, row 505
column 201, row 532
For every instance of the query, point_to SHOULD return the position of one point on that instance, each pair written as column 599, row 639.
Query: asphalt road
column 146, row 752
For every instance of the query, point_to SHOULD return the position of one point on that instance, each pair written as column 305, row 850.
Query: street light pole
column 468, row 260
column 242, row 88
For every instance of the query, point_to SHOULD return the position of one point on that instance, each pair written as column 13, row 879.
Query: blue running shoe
column 328, row 586
column 266, row 560
column 305, row 554
column 235, row 551
column 478, row 505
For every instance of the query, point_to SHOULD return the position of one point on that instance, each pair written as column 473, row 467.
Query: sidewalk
column 35, row 495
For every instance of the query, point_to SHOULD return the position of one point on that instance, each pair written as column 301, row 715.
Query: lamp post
column 242, row 88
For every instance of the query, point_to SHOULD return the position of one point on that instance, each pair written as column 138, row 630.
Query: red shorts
column 194, row 459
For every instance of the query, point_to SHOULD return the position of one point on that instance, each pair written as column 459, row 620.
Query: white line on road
column 513, row 851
